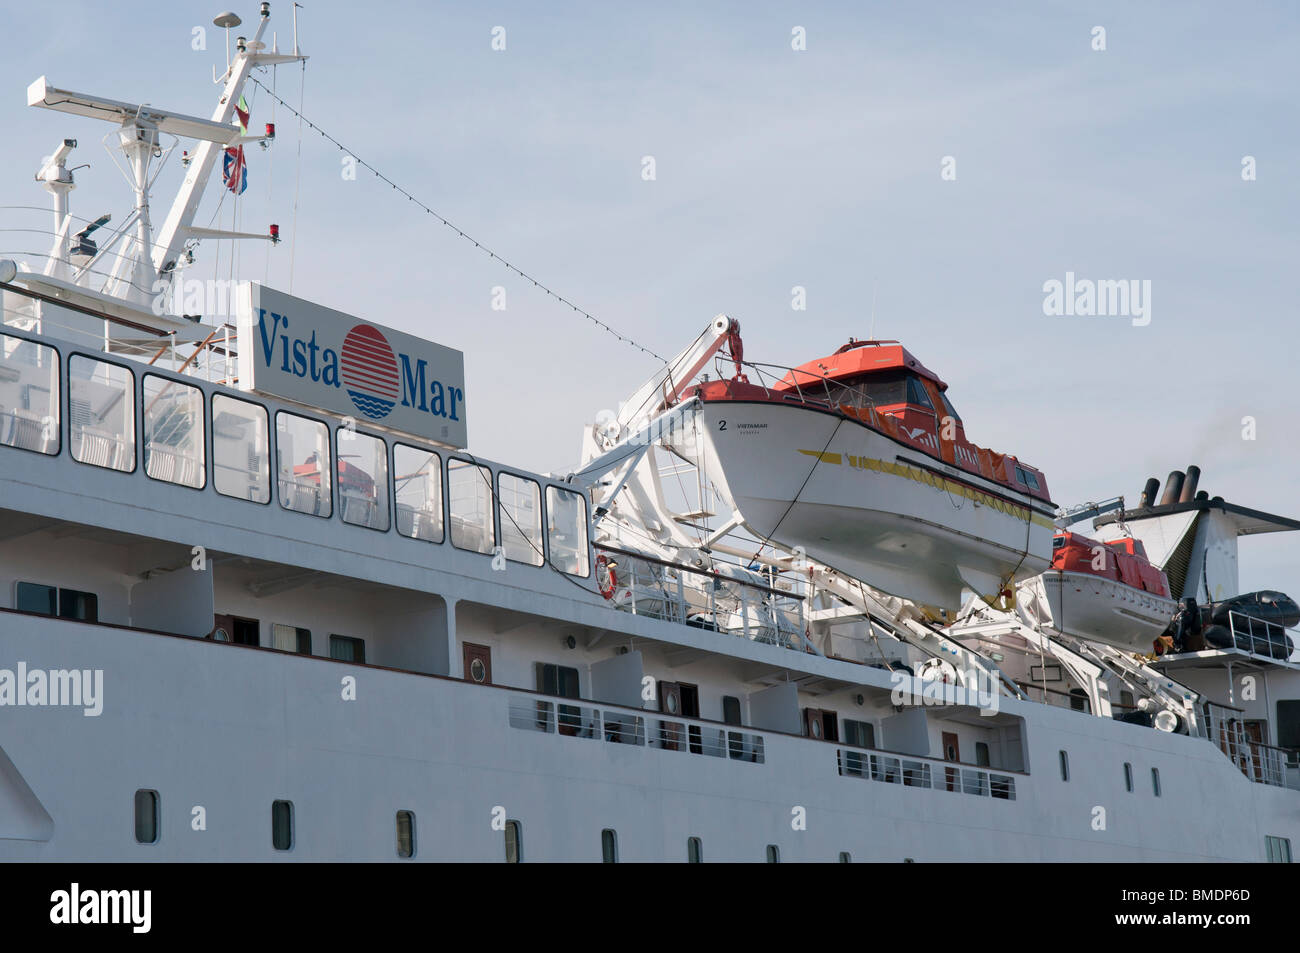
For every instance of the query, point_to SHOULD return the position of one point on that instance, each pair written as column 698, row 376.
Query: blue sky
column 775, row 168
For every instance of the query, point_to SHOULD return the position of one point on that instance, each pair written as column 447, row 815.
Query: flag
column 234, row 171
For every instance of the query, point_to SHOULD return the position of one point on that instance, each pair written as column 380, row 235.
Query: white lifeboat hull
column 872, row 507
column 1091, row 607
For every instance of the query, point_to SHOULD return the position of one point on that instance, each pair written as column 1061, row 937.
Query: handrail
column 700, row 572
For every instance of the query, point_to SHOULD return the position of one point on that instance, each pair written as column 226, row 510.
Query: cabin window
column 948, row 408
column 1065, row 766
column 557, row 680
column 694, row 850
column 33, row 597
column 773, row 854
column 1079, row 700
column 101, row 403
column 303, row 464
column 514, row 842
column 363, row 479
column 566, row 529
column 982, row 754
column 1155, row 781
column 240, row 456
column 291, row 638
column 146, row 817
column 860, row 734
column 1288, row 724
column 405, row 834
column 730, row 710
column 173, row 432
column 347, row 649
column 1279, row 849
column 916, row 392
column 521, row 519
column 417, row 479
column 469, row 487
column 846, row 857
column 1128, row 777
column 609, row 846
column 282, row 825
column 29, row 395
column 82, row 606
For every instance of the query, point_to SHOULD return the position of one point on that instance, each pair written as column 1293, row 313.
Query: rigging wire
column 459, row 231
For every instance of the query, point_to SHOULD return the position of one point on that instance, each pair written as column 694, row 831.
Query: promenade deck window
column 469, row 488
column 417, row 482
column 521, row 519
column 173, row 432
column 303, row 464
column 363, row 480
column 101, row 408
column 566, row 530
column 29, row 395
column 240, row 455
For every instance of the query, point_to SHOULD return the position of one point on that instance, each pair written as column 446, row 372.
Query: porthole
column 478, row 671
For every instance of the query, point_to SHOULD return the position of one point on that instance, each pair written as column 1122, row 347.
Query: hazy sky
column 775, row 168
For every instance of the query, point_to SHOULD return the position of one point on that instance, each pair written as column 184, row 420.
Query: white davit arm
column 665, row 388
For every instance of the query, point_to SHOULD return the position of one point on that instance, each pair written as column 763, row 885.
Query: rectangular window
column 1128, row 777
column 730, row 710
column 609, row 846
column 469, row 488
column 773, row 854
column 1155, row 781
column 29, row 395
column 1279, row 850
column 861, row 734
column 557, row 680
column 173, row 432
column 101, row 401
column 521, row 519
column 347, row 649
column 282, row 825
column 33, row 597
column 1288, row 724
column 240, row 457
column 566, row 530
column 405, row 834
column 303, row 464
column 1065, row 766
column 146, row 817
column 514, row 842
column 363, row 480
column 82, row 606
column 291, row 638
column 417, row 478
column 694, row 850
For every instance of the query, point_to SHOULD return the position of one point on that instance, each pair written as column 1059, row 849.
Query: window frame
column 53, row 592
column 388, row 477
column 444, row 501
column 694, row 850
column 204, row 415
column 57, row 395
column 331, row 466
column 491, row 508
column 136, row 422
column 270, row 448
column 586, row 527
column 541, row 518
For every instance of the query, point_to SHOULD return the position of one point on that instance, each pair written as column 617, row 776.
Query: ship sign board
column 300, row 351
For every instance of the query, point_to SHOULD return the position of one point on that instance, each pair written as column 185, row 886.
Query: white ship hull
column 871, row 507
column 1089, row 607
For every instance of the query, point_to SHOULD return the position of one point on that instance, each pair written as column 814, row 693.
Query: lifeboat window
column 363, row 480
column 29, row 395
column 417, row 478
column 303, row 464
column 173, row 432
column 101, row 404
column 347, row 649
column 948, row 408
column 469, row 487
column 240, row 456
column 521, row 519
column 916, row 392
column 566, row 531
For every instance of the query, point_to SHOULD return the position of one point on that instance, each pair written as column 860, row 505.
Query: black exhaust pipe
column 1173, row 487
column 1189, row 486
column 1149, row 494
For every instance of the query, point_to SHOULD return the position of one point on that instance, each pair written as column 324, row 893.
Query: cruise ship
column 259, row 601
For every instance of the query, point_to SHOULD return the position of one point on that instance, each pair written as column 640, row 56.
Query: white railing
column 1260, row 762
column 925, row 773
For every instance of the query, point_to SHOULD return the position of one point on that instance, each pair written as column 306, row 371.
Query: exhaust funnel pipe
column 1173, row 487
